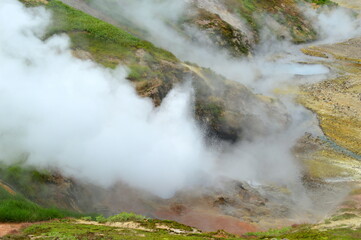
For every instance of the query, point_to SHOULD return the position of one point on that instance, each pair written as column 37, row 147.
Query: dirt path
column 12, row 228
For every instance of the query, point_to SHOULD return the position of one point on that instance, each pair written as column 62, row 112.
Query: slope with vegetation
column 138, row 227
column 154, row 72
column 16, row 208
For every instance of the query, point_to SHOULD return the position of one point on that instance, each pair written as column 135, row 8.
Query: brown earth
column 208, row 221
column 356, row 4
column 12, row 228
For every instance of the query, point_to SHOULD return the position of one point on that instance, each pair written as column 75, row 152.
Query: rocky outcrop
column 220, row 33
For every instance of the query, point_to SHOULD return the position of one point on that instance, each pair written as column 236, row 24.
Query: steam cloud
column 263, row 72
column 89, row 122
column 336, row 24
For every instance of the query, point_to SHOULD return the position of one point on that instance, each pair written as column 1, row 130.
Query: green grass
column 33, row 184
column 332, row 234
column 70, row 230
column 15, row 208
column 107, row 44
column 270, row 232
column 284, row 12
column 321, row 2
column 125, row 216
column 28, row 181
column 144, row 221
column 306, row 232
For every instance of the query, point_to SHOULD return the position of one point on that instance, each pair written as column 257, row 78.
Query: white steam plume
column 89, row 122
column 335, row 24
column 273, row 64
column 86, row 120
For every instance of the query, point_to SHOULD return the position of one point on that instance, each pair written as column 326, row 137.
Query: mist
column 335, row 24
column 272, row 64
column 89, row 122
column 86, row 120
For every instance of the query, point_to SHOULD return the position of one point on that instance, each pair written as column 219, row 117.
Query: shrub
column 124, row 216
column 100, row 219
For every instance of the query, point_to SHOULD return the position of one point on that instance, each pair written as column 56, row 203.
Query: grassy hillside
column 16, row 208
column 152, row 70
column 292, row 23
column 76, row 229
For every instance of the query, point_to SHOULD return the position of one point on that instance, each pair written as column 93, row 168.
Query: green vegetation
column 321, row 2
column 15, row 208
column 212, row 111
column 104, row 41
column 308, row 232
column 142, row 220
column 26, row 180
column 124, row 216
column 284, row 12
column 71, row 229
column 34, row 184
column 270, row 233
column 344, row 216
column 222, row 33
column 107, row 44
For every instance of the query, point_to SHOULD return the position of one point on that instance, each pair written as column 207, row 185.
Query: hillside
column 245, row 120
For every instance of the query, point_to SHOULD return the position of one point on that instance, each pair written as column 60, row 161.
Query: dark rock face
column 219, row 32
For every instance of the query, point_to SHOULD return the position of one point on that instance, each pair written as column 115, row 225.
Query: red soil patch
column 7, row 188
column 208, row 221
column 12, row 228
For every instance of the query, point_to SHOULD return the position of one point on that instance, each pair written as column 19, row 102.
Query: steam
column 273, row 64
column 335, row 24
column 86, row 120
column 89, row 122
